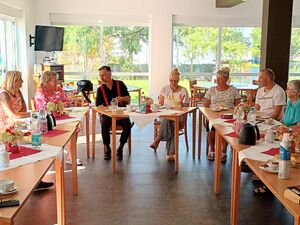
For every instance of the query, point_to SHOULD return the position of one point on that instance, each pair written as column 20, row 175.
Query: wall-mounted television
column 48, row 38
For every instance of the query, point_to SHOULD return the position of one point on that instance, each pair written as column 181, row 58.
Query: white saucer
column 10, row 192
column 267, row 169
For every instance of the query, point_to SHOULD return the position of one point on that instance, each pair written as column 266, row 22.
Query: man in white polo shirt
column 270, row 98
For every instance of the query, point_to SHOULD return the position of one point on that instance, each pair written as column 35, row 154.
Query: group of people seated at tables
column 270, row 100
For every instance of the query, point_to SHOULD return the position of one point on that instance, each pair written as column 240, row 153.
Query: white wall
column 161, row 15
column 26, row 54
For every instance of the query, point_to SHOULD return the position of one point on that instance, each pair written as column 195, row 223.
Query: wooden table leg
column 74, row 163
column 199, row 133
column 87, row 133
column 93, row 132
column 235, row 193
column 296, row 220
column 60, row 192
column 218, row 151
column 113, row 129
column 176, row 139
column 139, row 96
column 194, row 131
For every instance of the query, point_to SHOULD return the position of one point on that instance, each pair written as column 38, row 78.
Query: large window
column 294, row 69
column 200, row 51
column 125, row 49
column 8, row 47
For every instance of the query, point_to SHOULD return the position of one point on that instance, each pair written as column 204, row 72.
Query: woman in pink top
column 12, row 104
column 49, row 91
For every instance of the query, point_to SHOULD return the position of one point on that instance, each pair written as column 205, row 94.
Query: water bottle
column 284, row 157
column 239, row 120
column 143, row 103
column 251, row 118
column 4, row 157
column 43, row 125
column 35, row 131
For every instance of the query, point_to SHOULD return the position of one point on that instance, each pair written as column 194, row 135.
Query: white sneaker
column 69, row 161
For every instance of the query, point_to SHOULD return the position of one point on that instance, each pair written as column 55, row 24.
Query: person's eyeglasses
column 174, row 81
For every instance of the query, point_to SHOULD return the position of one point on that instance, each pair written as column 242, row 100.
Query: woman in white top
column 172, row 95
column 220, row 96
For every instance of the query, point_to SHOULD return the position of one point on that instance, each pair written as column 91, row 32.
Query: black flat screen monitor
column 48, row 38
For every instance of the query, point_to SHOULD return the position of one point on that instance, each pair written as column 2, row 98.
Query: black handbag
column 85, row 86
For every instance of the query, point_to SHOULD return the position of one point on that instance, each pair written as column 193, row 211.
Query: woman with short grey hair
column 292, row 112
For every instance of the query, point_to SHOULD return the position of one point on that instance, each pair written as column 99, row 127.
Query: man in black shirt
column 106, row 92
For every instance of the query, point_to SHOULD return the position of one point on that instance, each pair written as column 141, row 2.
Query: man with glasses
column 112, row 89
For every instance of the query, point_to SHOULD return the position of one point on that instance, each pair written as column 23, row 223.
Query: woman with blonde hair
column 221, row 96
column 11, row 98
column 172, row 95
column 13, row 106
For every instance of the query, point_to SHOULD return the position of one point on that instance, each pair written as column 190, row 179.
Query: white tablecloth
column 255, row 152
column 141, row 120
column 47, row 151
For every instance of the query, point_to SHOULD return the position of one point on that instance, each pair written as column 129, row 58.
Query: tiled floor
column 145, row 191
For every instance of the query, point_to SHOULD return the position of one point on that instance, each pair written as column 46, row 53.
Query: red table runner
column 230, row 121
column 64, row 117
column 233, row 134
column 53, row 133
column 24, row 151
column 272, row 151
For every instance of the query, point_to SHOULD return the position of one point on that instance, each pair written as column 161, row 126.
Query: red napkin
column 272, row 151
column 233, row 134
column 230, row 121
column 64, row 117
column 53, row 133
column 24, row 151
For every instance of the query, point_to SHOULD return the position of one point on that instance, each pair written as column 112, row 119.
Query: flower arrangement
column 56, row 106
column 10, row 137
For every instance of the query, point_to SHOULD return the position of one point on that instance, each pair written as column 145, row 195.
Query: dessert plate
column 267, row 169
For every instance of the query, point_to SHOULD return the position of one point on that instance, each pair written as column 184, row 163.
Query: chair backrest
column 192, row 83
column 32, row 103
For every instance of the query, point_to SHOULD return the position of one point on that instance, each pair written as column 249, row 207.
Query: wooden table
column 62, row 141
column 249, row 88
column 275, row 185
column 115, row 117
column 86, row 114
column 26, row 179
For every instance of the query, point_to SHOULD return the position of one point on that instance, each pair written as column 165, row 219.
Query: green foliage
column 86, row 48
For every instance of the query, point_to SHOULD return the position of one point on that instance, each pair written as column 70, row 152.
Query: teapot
column 51, row 122
column 249, row 134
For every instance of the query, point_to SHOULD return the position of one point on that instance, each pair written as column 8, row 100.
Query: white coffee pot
column 4, row 157
column 269, row 137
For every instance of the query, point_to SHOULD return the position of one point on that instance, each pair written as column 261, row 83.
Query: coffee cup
column 269, row 121
column 7, row 185
column 272, row 164
column 129, row 108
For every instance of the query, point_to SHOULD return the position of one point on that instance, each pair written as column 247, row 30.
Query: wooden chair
column 182, row 131
column 32, row 103
column 196, row 94
column 119, row 130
